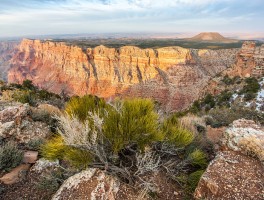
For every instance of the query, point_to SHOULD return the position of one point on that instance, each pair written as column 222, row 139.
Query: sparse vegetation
column 126, row 138
column 10, row 156
column 28, row 93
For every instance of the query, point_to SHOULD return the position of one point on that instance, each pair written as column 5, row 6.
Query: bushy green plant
column 224, row 116
column 78, row 158
column 176, row 135
column 35, row 144
column 227, row 80
column 198, row 158
column 27, row 84
column 251, row 86
column 10, row 156
column 54, row 148
column 25, row 96
column 193, row 180
column 135, row 122
column 81, row 106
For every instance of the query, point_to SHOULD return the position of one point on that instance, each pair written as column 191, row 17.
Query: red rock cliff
column 173, row 76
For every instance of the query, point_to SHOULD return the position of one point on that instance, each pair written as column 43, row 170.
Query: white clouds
column 76, row 16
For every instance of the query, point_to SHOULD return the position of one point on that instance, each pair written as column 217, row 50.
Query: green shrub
column 198, row 158
column 25, row 96
column 134, row 123
column 193, row 180
column 224, row 116
column 81, row 106
column 227, row 80
column 249, row 96
column 35, row 144
column 53, row 149
column 27, row 84
column 224, row 98
column 10, row 156
column 252, row 86
column 78, row 158
column 209, row 100
column 51, row 182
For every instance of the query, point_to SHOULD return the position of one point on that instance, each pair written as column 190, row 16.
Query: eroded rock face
column 173, row 76
column 7, row 50
column 249, row 61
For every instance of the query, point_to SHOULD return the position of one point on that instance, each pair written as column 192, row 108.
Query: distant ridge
column 211, row 37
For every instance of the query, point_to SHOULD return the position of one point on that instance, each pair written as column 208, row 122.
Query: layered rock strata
column 7, row 50
column 174, row 76
column 249, row 61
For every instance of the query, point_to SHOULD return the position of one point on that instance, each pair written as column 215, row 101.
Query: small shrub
column 249, row 96
column 252, row 86
column 51, row 182
column 193, row 180
column 135, row 122
column 35, row 144
column 27, row 84
column 53, row 149
column 253, row 146
column 198, row 158
column 10, row 156
column 78, row 158
column 227, row 80
column 80, row 107
column 25, row 96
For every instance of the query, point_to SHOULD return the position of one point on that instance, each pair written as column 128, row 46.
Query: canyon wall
column 7, row 50
column 173, row 76
column 249, row 61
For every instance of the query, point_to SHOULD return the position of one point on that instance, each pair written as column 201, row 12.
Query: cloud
column 19, row 17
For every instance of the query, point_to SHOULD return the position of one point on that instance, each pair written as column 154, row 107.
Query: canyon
column 7, row 50
column 173, row 76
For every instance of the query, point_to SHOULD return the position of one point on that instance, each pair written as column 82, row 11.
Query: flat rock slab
column 30, row 157
column 14, row 176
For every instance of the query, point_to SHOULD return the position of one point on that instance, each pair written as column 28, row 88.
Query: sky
column 46, row 17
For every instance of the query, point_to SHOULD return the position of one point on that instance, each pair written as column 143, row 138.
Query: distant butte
column 211, row 37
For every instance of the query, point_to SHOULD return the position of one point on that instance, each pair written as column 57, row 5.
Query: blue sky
column 38, row 17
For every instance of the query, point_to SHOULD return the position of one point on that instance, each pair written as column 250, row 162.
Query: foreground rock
column 15, row 175
column 90, row 184
column 245, row 136
column 16, row 123
column 233, row 174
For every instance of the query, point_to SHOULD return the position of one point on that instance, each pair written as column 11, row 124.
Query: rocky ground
column 235, row 173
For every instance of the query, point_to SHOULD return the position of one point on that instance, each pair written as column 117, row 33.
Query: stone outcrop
column 245, row 136
column 237, row 171
column 231, row 175
column 174, row 76
column 16, row 123
column 249, row 61
column 91, row 184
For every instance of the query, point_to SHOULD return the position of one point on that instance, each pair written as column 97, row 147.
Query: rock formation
column 173, row 76
column 7, row 50
column 16, row 123
column 249, row 61
column 233, row 174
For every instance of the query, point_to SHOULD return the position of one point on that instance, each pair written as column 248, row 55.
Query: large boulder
column 234, row 174
column 89, row 184
column 245, row 136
